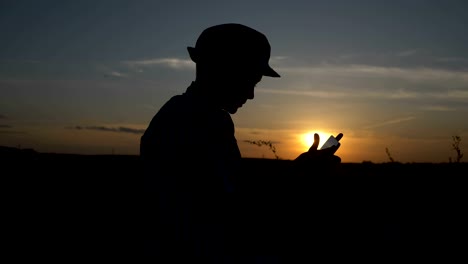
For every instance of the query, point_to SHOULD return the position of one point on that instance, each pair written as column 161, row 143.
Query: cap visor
column 270, row 72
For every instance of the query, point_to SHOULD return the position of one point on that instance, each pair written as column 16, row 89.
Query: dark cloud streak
column 111, row 129
column 12, row 132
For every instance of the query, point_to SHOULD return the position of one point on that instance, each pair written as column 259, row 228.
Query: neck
column 205, row 92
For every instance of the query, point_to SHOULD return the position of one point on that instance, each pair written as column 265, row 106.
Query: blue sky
column 87, row 76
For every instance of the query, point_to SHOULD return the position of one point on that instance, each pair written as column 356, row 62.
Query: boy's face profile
column 235, row 87
column 238, row 89
column 231, row 84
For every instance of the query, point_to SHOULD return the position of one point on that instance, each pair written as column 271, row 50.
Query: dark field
column 84, row 207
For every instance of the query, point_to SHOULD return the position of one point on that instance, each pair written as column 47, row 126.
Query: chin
column 232, row 110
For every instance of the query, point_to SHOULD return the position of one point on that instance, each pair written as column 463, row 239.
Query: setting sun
column 308, row 138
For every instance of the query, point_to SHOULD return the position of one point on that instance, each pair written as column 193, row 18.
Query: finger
column 340, row 135
column 316, row 142
column 335, row 148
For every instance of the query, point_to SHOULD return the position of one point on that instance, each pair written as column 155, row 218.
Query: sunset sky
column 86, row 77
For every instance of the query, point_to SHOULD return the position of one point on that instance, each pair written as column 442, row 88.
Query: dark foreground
column 80, row 207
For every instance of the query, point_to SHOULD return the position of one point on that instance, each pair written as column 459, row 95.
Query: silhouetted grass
column 79, row 205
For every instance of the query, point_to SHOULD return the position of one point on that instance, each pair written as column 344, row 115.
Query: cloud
column 110, row 129
column 149, row 107
column 401, row 58
column 356, row 70
column 400, row 94
column 438, row 108
column 380, row 56
column 276, row 59
column 116, row 74
column 406, row 53
column 173, row 63
column 6, row 126
column 374, row 82
column 315, row 93
column 452, row 59
column 391, row 122
column 12, row 132
column 110, row 71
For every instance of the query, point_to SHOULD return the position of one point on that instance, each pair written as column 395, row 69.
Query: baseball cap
column 234, row 44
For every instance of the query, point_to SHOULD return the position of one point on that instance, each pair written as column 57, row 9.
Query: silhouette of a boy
column 190, row 153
